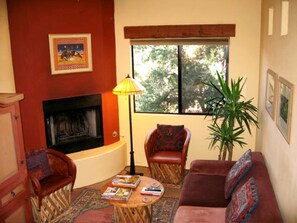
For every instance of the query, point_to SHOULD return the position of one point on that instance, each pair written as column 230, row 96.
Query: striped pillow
column 244, row 201
column 237, row 172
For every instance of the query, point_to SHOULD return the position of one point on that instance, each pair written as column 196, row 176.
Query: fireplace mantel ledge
column 98, row 164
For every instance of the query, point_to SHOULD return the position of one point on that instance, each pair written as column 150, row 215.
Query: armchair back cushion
column 170, row 137
column 37, row 164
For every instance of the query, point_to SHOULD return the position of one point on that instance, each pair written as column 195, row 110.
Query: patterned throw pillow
column 244, row 201
column 37, row 164
column 237, row 172
column 170, row 137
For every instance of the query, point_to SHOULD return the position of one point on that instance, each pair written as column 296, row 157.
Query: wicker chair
column 52, row 175
column 167, row 166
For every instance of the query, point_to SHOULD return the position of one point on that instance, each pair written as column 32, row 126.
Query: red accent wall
column 30, row 22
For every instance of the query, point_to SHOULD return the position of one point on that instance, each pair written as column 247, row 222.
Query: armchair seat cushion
column 168, row 157
column 204, row 190
column 54, row 182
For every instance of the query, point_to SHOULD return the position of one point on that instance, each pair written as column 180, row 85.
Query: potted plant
column 231, row 116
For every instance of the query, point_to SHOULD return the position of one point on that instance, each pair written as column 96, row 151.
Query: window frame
column 179, row 44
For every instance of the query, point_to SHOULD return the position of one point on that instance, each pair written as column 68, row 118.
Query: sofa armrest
column 211, row 167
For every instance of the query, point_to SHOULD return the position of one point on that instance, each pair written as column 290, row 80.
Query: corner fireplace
column 73, row 124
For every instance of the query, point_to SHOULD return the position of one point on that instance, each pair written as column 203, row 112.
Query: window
column 174, row 74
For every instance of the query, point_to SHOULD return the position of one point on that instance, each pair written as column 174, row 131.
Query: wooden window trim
column 179, row 31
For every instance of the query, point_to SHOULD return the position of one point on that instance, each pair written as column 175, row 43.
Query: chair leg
column 167, row 174
column 53, row 206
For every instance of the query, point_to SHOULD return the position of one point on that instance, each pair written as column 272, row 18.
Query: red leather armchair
column 52, row 175
column 167, row 166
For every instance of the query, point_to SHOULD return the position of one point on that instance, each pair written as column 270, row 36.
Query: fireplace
column 73, row 124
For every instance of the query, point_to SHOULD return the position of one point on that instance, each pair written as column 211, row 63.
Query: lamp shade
column 128, row 86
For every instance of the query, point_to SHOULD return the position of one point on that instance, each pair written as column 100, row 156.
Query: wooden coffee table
column 139, row 207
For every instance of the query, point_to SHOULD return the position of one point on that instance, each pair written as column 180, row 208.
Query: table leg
column 129, row 215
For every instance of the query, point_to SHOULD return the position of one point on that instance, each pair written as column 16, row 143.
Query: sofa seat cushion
column 191, row 214
column 237, row 172
column 203, row 190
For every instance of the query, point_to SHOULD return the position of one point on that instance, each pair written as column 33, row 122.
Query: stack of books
column 152, row 191
column 117, row 193
column 131, row 181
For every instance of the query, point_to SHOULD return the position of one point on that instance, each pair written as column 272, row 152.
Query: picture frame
column 284, row 108
column 271, row 91
column 70, row 53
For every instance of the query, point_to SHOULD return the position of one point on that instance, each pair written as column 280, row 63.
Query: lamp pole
column 132, row 163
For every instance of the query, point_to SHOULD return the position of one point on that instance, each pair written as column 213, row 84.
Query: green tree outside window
column 174, row 76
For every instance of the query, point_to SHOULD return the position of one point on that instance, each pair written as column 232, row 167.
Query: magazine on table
column 117, row 193
column 126, row 181
column 152, row 191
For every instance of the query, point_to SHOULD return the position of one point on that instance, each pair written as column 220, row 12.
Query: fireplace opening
column 74, row 124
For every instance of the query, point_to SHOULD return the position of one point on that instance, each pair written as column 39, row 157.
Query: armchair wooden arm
column 187, row 135
column 36, row 186
column 150, row 144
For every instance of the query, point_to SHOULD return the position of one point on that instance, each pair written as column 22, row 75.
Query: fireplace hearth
column 74, row 124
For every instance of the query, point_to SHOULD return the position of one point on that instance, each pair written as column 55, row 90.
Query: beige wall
column 279, row 53
column 6, row 69
column 244, row 59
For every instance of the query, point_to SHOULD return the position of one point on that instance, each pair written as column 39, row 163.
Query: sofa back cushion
column 170, row 137
column 244, row 201
column 237, row 172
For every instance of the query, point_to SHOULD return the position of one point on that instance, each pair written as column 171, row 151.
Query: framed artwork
column 271, row 89
column 70, row 53
column 284, row 108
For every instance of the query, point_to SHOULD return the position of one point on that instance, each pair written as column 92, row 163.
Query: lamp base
column 132, row 163
column 140, row 174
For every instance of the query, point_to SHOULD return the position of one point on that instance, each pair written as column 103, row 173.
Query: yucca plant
column 231, row 116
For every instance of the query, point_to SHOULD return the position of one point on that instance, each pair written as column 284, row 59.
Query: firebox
column 73, row 124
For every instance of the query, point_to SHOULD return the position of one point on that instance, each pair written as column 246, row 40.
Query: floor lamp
column 129, row 86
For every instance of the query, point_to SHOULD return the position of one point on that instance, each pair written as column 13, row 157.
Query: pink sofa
column 202, row 197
